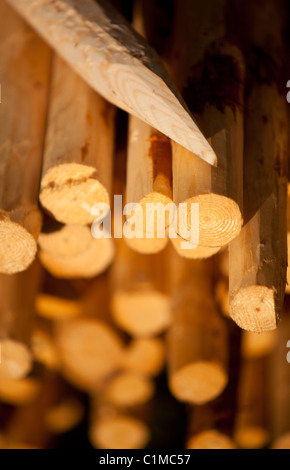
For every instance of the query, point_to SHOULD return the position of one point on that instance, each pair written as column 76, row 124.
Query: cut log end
column 198, row 383
column 150, row 224
column 252, row 437
column 220, row 220
column 144, row 356
column 210, row 439
column 119, row 432
column 44, row 350
column 64, row 416
column 127, row 390
column 70, row 191
column 16, row 359
column 89, row 351
column 253, row 308
column 141, row 313
column 18, row 247
column 282, row 442
column 89, row 263
column 69, row 240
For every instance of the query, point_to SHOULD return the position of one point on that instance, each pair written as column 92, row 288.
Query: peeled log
column 197, row 337
column 24, row 76
column 77, row 162
column 18, row 293
column 210, row 72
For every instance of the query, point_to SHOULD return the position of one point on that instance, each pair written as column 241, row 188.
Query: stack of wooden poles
column 88, row 325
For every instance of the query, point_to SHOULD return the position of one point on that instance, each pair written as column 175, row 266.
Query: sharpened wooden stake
column 103, row 48
column 210, row 72
column 77, row 166
column 24, row 77
column 197, row 338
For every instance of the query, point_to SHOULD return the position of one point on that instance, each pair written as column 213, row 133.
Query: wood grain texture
column 103, row 48
column 258, row 256
column 24, row 77
column 149, row 184
column 149, row 175
column 210, row 72
column 197, row 336
column 70, row 251
column 79, row 144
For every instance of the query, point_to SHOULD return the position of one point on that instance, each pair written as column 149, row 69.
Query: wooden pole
column 282, row 442
column 43, row 346
column 203, row 432
column 128, row 390
column 149, row 184
column 28, row 424
column 287, row 291
column 139, row 305
column 209, row 70
column 197, row 337
column 251, row 427
column 78, row 157
column 278, row 398
column 112, row 428
column 24, row 76
column 258, row 256
column 255, row 345
column 18, row 292
column 64, row 415
column 149, row 175
column 103, row 48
